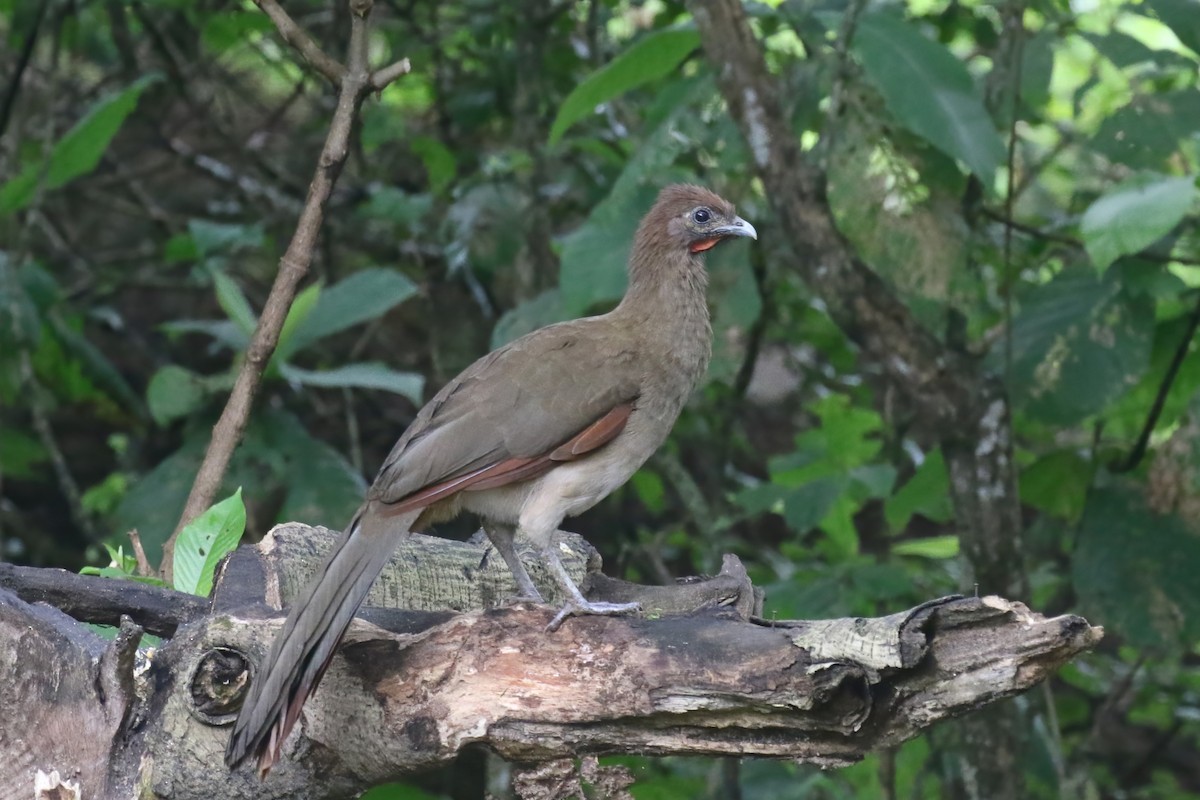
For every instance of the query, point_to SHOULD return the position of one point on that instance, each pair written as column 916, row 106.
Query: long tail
column 315, row 624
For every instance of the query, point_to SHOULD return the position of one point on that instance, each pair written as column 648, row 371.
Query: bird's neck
column 666, row 305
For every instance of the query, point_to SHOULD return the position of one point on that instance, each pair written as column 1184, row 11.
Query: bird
column 538, row 430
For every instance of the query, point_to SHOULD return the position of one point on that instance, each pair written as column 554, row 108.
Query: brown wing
column 552, row 396
column 514, row 470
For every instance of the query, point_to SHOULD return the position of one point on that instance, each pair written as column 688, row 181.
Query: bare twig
column 355, row 84
column 294, row 35
column 1130, row 462
column 14, row 84
column 139, row 553
column 382, row 77
column 1072, row 242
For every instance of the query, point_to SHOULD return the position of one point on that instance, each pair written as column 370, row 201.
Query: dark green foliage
column 156, row 155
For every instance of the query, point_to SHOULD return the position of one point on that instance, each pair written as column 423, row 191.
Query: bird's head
column 694, row 219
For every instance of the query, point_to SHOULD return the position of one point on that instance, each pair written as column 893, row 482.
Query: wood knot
column 218, row 685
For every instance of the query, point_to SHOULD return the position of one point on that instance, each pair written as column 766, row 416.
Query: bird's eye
column 701, row 215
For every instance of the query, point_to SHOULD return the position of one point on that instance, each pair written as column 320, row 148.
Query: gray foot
column 575, row 608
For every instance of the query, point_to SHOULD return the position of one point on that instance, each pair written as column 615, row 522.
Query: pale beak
column 739, row 227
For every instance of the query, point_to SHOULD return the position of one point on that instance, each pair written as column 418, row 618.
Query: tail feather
column 302, row 651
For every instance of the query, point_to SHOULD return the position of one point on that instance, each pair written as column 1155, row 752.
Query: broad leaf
column 1182, row 17
column 926, row 493
column 234, row 303
column 806, row 506
column 929, row 91
column 1136, row 570
column 440, row 164
column 593, row 258
column 321, row 488
column 1147, row 131
column 1078, row 342
column 224, row 331
column 204, row 541
column 652, row 57
column 530, row 315
column 939, row 547
column 302, row 306
column 210, row 238
column 79, row 151
column 1057, row 483
column 361, row 376
column 1134, row 215
column 359, row 298
column 174, row 392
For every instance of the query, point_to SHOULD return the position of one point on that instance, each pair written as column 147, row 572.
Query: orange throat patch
column 704, row 244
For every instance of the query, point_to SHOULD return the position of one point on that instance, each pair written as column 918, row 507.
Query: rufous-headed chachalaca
column 538, row 430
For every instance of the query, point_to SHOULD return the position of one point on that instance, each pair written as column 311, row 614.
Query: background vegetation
column 1022, row 175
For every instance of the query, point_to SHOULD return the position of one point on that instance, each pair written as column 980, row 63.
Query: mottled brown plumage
column 538, row 430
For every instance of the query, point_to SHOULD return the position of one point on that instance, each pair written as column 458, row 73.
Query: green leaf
column 20, row 317
column 234, row 303
column 1134, row 215
column 1136, row 570
column 932, row 547
column 927, row 493
column 370, row 375
column 652, row 57
column 363, row 296
column 204, row 541
column 1057, row 483
column 1181, row 17
column 232, row 29
column 841, row 536
column 223, row 330
column 79, row 151
column 1078, row 343
column 396, row 205
column 321, row 486
column 1147, row 131
column 805, row 507
column 20, row 452
column 215, row 238
column 440, row 164
column 929, row 91
column 302, row 306
column 155, row 501
column 534, row 313
column 174, row 392
column 592, row 261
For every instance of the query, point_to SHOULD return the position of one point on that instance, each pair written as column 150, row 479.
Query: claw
column 574, row 607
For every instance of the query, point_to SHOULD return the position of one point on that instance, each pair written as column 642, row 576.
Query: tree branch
column 296, row 36
column 967, row 411
column 412, row 689
column 103, row 601
column 355, row 83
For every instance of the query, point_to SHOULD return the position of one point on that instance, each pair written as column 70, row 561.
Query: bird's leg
column 576, row 603
column 501, row 537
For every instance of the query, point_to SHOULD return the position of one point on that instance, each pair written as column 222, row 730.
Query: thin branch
column 841, row 70
column 294, row 35
column 382, row 77
column 14, row 83
column 139, row 553
column 1015, row 27
column 293, row 266
column 103, row 601
column 1070, row 241
column 1138, row 452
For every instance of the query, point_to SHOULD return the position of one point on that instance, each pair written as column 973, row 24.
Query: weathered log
column 411, row 688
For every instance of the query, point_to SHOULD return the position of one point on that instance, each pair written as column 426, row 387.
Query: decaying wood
column 418, row 683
